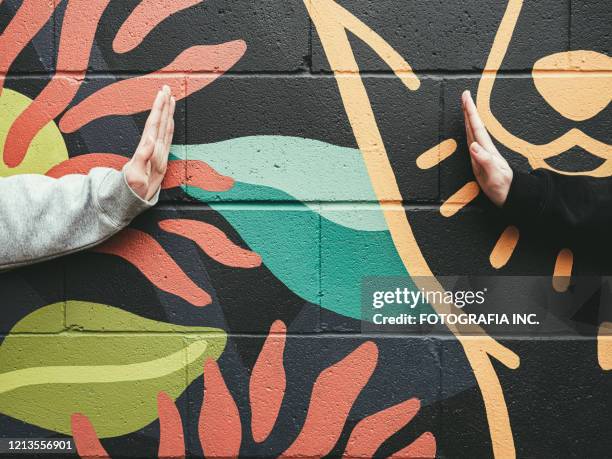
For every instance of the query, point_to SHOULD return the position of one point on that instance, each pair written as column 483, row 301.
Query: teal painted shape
column 307, row 170
column 322, row 253
column 347, row 258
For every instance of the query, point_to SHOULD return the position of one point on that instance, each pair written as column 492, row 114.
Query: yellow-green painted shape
column 112, row 377
column 89, row 374
column 47, row 148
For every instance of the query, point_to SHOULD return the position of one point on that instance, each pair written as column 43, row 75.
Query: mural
column 576, row 84
column 318, row 144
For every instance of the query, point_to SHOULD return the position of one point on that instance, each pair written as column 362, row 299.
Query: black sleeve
column 577, row 206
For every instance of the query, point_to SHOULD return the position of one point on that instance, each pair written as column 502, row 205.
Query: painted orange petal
column 27, row 22
column 219, row 425
column 144, row 252
column 145, row 17
column 604, row 346
column 371, row 432
column 84, row 163
column 268, row 383
column 136, row 95
column 423, row 447
column 78, row 29
column 207, row 178
column 213, row 242
column 333, row 395
column 171, row 438
column 85, row 439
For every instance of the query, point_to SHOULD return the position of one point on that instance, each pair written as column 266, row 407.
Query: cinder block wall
column 246, row 279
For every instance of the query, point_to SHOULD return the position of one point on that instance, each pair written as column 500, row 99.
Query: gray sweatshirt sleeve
column 43, row 217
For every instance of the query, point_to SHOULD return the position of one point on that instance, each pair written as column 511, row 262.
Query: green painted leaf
column 111, row 377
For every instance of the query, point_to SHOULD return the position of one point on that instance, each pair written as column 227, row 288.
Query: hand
column 492, row 171
column 146, row 170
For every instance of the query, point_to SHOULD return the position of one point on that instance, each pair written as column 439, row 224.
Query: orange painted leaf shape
column 144, row 252
column 85, row 439
column 213, row 242
column 82, row 164
column 423, row 447
column 203, row 176
column 268, row 383
column 371, row 432
column 333, row 395
column 78, row 29
column 219, row 425
column 145, row 17
column 23, row 27
column 171, row 442
column 135, row 95
column 171, row 438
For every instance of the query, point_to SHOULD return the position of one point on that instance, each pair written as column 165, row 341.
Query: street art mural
column 318, row 143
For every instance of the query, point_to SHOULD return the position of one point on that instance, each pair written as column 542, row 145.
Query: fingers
column 149, row 135
column 152, row 124
column 163, row 121
column 162, row 158
column 468, row 127
column 160, row 151
column 477, row 126
column 170, row 127
column 475, row 159
column 162, row 147
column 469, row 133
column 481, row 157
column 159, row 162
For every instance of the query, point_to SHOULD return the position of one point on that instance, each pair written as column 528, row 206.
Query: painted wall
column 226, row 320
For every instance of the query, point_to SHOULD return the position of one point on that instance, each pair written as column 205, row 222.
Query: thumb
column 482, row 157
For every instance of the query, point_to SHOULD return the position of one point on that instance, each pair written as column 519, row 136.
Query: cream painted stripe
column 563, row 270
column 462, row 197
column 437, row 154
column 504, row 248
column 92, row 374
column 604, row 346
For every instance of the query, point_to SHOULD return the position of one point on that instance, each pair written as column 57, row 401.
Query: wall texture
column 295, row 120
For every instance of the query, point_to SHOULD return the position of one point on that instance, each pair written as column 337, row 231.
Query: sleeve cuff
column 151, row 202
column 526, row 197
column 119, row 202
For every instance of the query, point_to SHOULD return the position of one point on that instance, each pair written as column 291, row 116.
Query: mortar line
column 441, row 126
column 293, row 206
column 306, row 335
column 310, row 39
column 569, row 25
column 435, row 74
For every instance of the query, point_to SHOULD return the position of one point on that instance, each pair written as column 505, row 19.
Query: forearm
column 548, row 200
column 42, row 217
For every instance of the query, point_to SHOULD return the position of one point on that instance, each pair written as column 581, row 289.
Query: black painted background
column 559, row 399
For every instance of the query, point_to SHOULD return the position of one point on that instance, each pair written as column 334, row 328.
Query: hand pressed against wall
column 147, row 168
column 492, row 171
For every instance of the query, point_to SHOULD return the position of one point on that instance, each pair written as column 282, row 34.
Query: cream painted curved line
column 536, row 154
column 604, row 346
column 332, row 22
column 92, row 374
